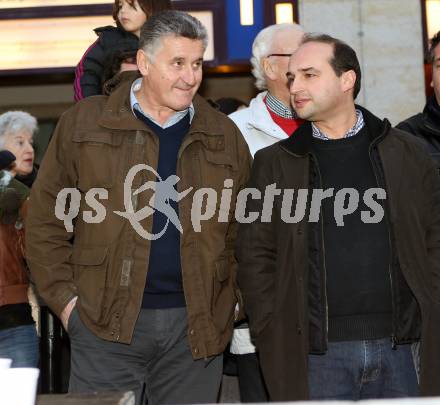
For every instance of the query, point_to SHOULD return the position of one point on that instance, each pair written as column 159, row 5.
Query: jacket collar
column 117, row 114
column 111, row 84
column 260, row 119
column 431, row 116
column 301, row 143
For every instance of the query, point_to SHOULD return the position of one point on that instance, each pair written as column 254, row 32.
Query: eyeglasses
column 279, row 54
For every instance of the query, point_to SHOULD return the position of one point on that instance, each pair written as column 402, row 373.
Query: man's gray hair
column 13, row 122
column 170, row 23
column 262, row 47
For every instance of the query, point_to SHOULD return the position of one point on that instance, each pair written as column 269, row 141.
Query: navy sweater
column 356, row 254
column 164, row 287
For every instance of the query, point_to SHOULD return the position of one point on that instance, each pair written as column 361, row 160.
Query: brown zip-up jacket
column 105, row 264
column 14, row 281
column 13, row 278
column 279, row 262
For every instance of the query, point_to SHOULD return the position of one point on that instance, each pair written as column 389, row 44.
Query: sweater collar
column 354, row 130
column 174, row 119
column 117, row 113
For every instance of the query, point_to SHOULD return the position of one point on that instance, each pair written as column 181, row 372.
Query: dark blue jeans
column 21, row 345
column 368, row 369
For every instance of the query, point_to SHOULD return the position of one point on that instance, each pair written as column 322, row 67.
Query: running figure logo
column 164, row 193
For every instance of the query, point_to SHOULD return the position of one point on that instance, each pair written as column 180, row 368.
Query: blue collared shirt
column 354, row 130
column 174, row 119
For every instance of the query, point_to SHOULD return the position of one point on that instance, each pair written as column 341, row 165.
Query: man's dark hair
column 344, row 57
column 435, row 40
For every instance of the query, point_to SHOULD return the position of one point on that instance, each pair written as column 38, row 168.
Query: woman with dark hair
column 129, row 16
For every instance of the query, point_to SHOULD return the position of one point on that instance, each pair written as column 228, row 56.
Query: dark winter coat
column 281, row 265
column 426, row 126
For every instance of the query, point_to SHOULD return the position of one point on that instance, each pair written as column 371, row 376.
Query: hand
column 65, row 314
column 6, row 159
column 236, row 312
column 13, row 194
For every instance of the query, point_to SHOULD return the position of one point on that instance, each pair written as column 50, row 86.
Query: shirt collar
column 354, row 130
column 174, row 119
column 277, row 107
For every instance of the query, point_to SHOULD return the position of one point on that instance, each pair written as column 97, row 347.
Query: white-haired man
column 269, row 116
column 268, row 119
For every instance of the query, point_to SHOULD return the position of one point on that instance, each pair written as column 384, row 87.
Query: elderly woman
column 18, row 338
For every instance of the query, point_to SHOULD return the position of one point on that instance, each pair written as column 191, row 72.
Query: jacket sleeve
column 256, row 251
column 48, row 243
column 12, row 199
column 244, row 167
column 432, row 184
column 404, row 126
column 89, row 71
column 244, row 159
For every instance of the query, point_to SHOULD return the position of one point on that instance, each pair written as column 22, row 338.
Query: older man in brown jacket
column 147, row 264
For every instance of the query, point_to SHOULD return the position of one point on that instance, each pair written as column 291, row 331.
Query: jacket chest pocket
column 99, row 158
column 217, row 163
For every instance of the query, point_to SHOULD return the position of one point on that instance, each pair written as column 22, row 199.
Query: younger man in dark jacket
column 340, row 274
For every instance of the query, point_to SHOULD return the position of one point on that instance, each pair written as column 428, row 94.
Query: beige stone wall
column 387, row 36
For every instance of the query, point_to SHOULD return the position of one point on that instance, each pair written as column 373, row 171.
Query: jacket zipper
column 393, row 333
column 393, row 298
column 435, row 130
column 325, row 339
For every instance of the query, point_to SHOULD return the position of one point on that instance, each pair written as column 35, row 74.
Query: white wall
column 387, row 37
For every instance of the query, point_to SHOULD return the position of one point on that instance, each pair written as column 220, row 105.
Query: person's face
column 436, row 73
column 174, row 74
column 316, row 92
column 276, row 63
column 20, row 144
column 131, row 16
